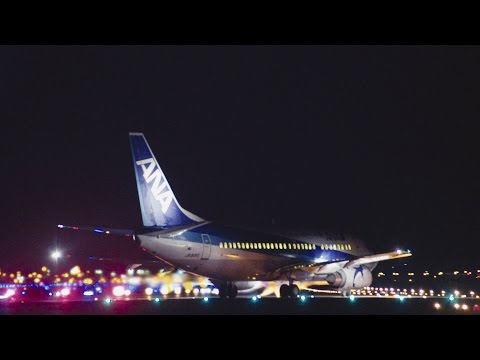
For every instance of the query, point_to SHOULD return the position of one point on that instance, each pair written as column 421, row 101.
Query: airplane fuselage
column 231, row 254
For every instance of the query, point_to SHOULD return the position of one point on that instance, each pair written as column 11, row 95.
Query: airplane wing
column 102, row 230
column 313, row 266
column 378, row 257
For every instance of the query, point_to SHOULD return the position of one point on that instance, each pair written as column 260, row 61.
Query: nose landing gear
column 227, row 290
column 289, row 291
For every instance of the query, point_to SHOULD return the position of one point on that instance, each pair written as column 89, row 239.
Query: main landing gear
column 227, row 290
column 289, row 290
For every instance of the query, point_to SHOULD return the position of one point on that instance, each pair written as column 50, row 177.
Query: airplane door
column 207, row 247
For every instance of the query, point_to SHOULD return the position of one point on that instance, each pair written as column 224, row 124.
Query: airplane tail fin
column 157, row 201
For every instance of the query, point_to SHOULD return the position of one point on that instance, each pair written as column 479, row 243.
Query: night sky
column 381, row 141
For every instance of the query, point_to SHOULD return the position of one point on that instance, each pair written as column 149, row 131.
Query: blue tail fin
column 157, row 201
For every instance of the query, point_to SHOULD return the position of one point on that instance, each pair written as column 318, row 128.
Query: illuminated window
column 238, row 245
column 302, row 246
column 334, row 246
column 289, row 246
column 247, row 245
column 229, row 245
column 268, row 246
column 251, row 246
column 271, row 246
column 255, row 246
column 314, row 247
column 330, row 247
column 243, row 246
column 341, row 247
column 264, row 245
column 310, row 247
column 276, row 246
column 349, row 247
column 234, row 245
column 321, row 246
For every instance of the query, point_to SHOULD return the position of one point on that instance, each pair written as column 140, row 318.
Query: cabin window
column 247, row 246
column 289, row 246
column 221, row 245
column 234, row 245
column 271, row 246
column 268, row 246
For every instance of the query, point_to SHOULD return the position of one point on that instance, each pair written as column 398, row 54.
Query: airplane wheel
column 223, row 291
column 294, row 290
column 284, row 291
column 233, row 291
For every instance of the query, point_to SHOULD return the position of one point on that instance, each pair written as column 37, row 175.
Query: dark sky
column 381, row 141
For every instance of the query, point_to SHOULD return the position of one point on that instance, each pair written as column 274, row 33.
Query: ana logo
column 358, row 270
column 159, row 189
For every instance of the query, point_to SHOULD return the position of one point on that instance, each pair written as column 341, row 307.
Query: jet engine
column 350, row 278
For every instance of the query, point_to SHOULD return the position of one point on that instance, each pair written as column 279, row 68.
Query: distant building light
column 56, row 255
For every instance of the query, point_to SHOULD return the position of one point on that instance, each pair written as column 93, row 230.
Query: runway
column 307, row 305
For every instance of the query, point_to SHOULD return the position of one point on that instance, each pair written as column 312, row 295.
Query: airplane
column 231, row 256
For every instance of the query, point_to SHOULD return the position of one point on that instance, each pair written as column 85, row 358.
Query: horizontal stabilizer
column 101, row 230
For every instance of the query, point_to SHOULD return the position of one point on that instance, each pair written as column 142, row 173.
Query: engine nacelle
column 350, row 278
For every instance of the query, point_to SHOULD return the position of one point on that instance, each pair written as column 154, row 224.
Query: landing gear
column 289, row 290
column 227, row 290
